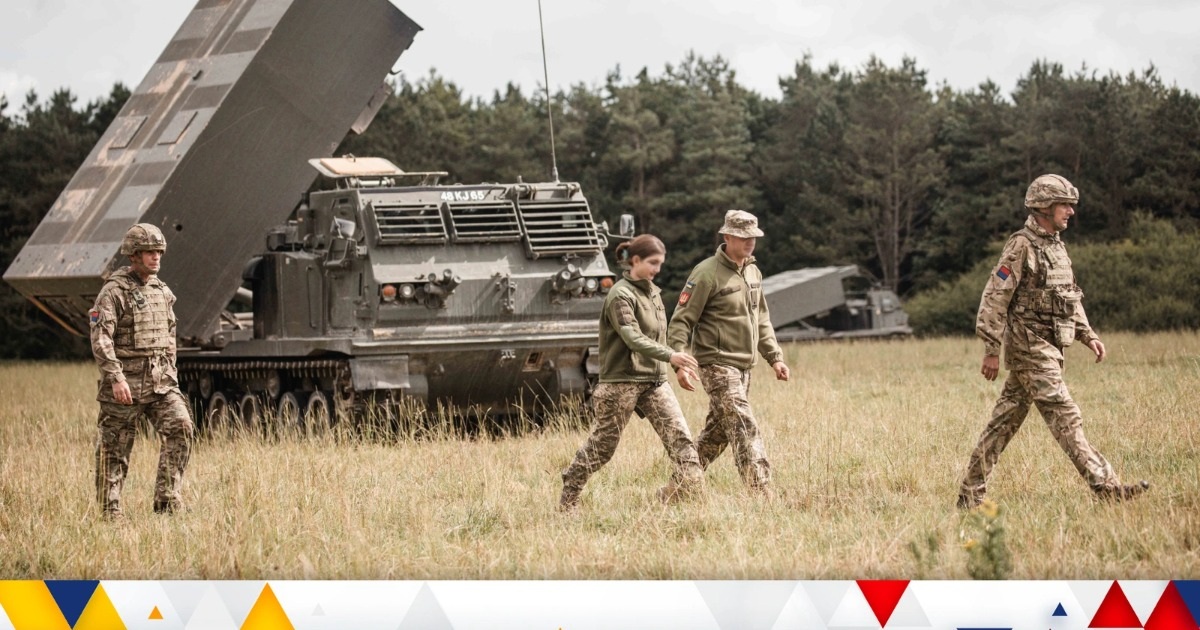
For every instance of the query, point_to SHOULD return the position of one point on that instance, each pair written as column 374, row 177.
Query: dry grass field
column 867, row 443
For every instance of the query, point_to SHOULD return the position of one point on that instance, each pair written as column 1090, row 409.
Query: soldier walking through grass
column 633, row 375
column 1032, row 304
column 133, row 342
column 722, row 315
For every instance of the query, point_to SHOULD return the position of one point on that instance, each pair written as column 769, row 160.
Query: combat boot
column 569, row 500
column 1117, row 494
column 969, row 501
column 167, row 507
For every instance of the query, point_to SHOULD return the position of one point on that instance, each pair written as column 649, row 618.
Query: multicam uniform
column 1033, row 301
column 133, row 340
column 723, row 313
column 633, row 375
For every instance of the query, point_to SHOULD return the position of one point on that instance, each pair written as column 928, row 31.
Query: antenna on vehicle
column 546, row 78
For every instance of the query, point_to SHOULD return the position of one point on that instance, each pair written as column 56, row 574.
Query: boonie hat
column 741, row 224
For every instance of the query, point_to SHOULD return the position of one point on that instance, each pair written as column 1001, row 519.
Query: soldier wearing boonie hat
column 1032, row 306
column 722, row 315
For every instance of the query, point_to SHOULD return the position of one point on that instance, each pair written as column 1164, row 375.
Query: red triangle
column 882, row 596
column 1115, row 611
column 1171, row 612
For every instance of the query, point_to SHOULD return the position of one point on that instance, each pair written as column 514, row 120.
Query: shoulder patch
column 684, row 297
column 1003, row 272
column 94, row 316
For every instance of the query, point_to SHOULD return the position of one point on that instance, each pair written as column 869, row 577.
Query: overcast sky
column 87, row 45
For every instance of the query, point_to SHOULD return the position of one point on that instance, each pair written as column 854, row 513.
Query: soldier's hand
column 684, row 376
column 991, row 366
column 1098, row 347
column 121, row 393
column 683, row 360
column 782, row 372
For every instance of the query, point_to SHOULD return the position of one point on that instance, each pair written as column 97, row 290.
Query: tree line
column 869, row 165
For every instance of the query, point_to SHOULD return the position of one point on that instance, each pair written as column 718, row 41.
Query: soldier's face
column 1060, row 215
column 646, row 268
column 739, row 248
column 146, row 263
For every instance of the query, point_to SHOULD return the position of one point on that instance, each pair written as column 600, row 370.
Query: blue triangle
column 1059, row 612
column 1189, row 590
column 72, row 596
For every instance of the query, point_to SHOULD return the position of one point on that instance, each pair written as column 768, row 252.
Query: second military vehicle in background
column 832, row 303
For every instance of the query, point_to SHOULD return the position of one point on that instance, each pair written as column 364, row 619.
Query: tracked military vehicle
column 379, row 286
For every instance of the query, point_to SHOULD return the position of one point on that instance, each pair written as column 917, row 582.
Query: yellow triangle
column 29, row 604
column 99, row 614
column 154, row 614
column 267, row 614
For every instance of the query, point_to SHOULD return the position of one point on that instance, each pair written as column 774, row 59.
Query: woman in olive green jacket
column 633, row 376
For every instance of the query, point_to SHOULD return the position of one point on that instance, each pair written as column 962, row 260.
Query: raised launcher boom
column 387, row 286
column 211, row 148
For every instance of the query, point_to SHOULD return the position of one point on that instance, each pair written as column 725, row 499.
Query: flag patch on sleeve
column 1003, row 272
column 94, row 316
column 687, row 292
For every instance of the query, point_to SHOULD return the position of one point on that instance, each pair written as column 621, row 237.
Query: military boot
column 167, row 506
column 569, row 500
column 1117, row 494
column 968, row 501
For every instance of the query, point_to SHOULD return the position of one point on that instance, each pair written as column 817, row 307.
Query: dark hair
column 643, row 246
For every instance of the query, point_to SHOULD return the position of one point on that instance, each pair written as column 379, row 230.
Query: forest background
column 917, row 184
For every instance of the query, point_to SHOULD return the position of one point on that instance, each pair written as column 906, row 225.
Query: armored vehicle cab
column 385, row 285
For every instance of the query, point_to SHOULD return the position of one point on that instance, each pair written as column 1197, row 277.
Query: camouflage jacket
column 633, row 333
column 133, row 335
column 723, row 313
column 1031, row 303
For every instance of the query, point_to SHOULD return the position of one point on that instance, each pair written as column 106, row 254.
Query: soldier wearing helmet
column 1032, row 306
column 133, row 341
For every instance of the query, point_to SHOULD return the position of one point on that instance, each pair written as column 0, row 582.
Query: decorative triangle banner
column 72, row 596
column 1171, row 613
column 882, row 596
column 100, row 613
column 1115, row 611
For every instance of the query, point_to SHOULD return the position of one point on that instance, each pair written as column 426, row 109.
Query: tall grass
column 867, row 443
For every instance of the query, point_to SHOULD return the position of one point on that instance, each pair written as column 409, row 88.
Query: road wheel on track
column 318, row 416
column 288, row 414
column 218, row 416
column 251, row 412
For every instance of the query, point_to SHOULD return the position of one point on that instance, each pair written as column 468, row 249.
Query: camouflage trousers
column 614, row 403
column 169, row 415
column 730, row 419
column 1046, row 389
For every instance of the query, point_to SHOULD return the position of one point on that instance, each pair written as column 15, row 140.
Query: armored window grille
column 409, row 224
column 488, row 221
column 559, row 228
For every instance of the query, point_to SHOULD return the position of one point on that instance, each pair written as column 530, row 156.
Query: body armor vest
column 1050, row 294
column 146, row 323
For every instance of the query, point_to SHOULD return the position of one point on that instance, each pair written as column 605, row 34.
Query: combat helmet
column 143, row 237
column 1048, row 190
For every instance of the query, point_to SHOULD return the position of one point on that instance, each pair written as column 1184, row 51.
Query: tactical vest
column 1050, row 294
column 146, row 324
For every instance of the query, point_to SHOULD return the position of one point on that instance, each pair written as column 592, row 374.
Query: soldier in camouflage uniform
column 723, row 314
column 1032, row 303
column 633, row 376
column 133, row 342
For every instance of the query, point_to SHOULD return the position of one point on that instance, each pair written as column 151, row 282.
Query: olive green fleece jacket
column 723, row 313
column 633, row 334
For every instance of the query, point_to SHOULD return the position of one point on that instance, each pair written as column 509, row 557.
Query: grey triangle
column 1088, row 595
column 799, row 612
column 909, row 613
column 184, row 595
column 826, row 596
column 239, row 597
column 425, row 613
column 318, row 611
column 749, row 605
column 211, row 614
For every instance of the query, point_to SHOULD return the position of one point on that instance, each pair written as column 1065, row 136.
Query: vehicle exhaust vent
column 559, row 228
column 409, row 224
column 478, row 222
